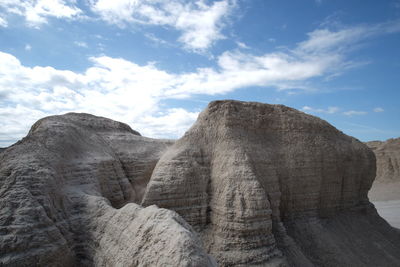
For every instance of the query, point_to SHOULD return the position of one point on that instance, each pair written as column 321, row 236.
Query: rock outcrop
column 249, row 184
column 387, row 183
column 387, row 159
column 267, row 185
column 69, row 194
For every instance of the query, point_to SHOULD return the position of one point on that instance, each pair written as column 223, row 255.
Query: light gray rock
column 267, row 185
column 68, row 194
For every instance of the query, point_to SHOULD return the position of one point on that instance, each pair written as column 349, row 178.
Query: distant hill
column 387, row 159
column 387, row 181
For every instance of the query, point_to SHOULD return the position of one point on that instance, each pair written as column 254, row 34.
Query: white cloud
column 200, row 24
column 36, row 12
column 354, row 113
column 242, row 45
column 378, row 109
column 81, row 44
column 342, row 41
column 329, row 110
column 125, row 91
column 332, row 110
column 111, row 87
column 28, row 47
column 3, row 22
column 132, row 93
column 174, row 122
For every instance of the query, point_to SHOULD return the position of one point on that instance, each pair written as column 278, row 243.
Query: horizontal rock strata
column 267, row 185
column 387, row 183
column 67, row 198
column 387, row 159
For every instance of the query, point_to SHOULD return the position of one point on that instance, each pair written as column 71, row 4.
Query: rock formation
column 68, row 194
column 387, row 159
column 249, row 184
column 267, row 185
column 387, row 183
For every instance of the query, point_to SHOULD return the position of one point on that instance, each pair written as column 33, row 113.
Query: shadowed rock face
column 268, row 185
column 59, row 190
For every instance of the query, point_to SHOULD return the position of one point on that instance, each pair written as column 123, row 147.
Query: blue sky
column 156, row 64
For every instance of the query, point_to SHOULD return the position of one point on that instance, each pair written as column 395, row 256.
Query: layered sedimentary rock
column 68, row 194
column 387, row 159
column 267, row 185
column 387, row 183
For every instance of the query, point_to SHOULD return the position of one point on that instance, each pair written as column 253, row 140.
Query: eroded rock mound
column 267, row 185
column 387, row 159
column 60, row 190
column 387, row 183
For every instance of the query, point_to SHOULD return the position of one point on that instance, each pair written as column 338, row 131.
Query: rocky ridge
column 268, row 185
column 68, row 194
column 249, row 184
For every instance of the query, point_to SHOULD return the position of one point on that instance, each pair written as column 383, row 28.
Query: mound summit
column 249, row 184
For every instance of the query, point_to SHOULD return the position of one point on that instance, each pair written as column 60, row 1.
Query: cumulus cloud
column 36, row 12
column 200, row 23
column 133, row 93
column 111, row 87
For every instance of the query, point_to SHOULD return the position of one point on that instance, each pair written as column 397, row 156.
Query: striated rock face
column 267, row 185
column 60, row 190
column 387, row 159
column 387, row 183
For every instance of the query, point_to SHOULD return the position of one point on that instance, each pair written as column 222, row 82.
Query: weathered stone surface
column 385, row 191
column 60, row 188
column 387, row 159
column 386, row 186
column 267, row 185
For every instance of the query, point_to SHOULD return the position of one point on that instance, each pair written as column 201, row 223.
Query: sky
column 155, row 64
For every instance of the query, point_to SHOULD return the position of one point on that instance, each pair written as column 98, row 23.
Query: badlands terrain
column 249, row 184
column 385, row 192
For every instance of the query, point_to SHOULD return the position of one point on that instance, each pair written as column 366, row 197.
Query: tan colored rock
column 60, row 190
column 387, row 159
column 386, row 186
column 267, row 185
